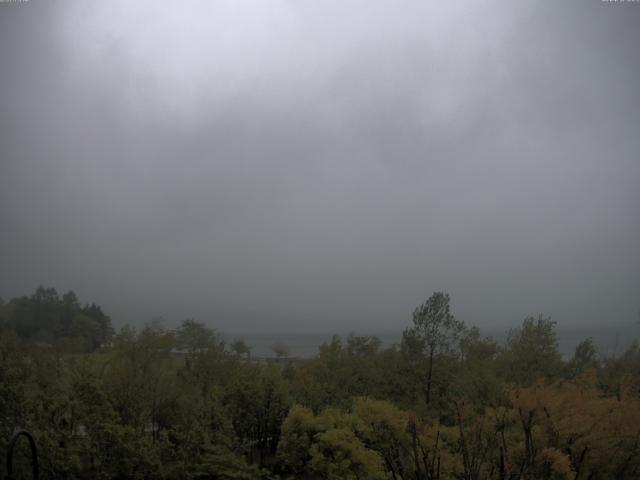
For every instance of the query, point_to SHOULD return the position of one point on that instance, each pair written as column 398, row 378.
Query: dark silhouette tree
column 435, row 332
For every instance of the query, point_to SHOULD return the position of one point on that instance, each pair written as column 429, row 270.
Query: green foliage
column 48, row 318
column 14, row 373
column 431, row 343
column 298, row 431
column 257, row 401
column 383, row 428
column 193, row 336
column 476, row 377
column 585, row 357
column 325, row 446
column 531, row 352
column 240, row 348
column 434, row 327
column 338, row 454
column 138, row 377
column 174, row 404
column 341, row 372
column 621, row 376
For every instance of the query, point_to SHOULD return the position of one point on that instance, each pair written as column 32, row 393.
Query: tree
column 585, row 356
column 298, row 431
column 47, row 318
column 621, row 375
column 363, row 346
column 326, row 447
column 102, row 331
column 138, row 376
column 14, row 372
column 475, row 377
column 194, row 336
column 337, row 454
column 322, row 381
column 280, row 350
column 532, row 351
column 257, row 401
column 383, row 427
column 435, row 332
column 241, row 348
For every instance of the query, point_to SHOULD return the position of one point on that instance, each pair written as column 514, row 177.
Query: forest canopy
column 49, row 318
column 444, row 403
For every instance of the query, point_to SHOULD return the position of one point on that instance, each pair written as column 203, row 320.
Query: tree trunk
column 429, row 376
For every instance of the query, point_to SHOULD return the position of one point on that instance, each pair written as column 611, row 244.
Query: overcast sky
column 323, row 165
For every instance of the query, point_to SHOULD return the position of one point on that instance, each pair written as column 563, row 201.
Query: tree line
column 444, row 403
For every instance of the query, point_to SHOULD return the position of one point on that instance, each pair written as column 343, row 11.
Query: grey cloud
column 318, row 166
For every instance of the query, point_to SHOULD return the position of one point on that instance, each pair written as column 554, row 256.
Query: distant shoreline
column 610, row 340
